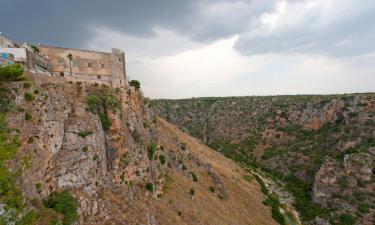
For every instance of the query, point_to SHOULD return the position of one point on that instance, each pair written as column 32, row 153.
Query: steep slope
column 101, row 150
column 319, row 148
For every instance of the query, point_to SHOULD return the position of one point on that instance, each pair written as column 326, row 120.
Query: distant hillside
column 319, row 148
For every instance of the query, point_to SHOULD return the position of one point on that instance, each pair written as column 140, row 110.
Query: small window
column 62, row 74
column 99, row 77
column 103, row 65
column 89, row 65
column 60, row 62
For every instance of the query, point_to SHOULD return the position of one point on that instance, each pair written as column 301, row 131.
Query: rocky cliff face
column 320, row 148
column 107, row 148
column 70, row 148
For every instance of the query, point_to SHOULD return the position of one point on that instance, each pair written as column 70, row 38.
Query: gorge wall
column 78, row 153
column 321, row 149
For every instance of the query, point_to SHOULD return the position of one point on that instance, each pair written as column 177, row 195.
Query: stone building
column 87, row 66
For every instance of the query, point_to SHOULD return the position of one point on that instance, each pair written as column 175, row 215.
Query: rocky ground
column 321, row 149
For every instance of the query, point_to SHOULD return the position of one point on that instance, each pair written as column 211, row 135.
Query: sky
column 196, row 48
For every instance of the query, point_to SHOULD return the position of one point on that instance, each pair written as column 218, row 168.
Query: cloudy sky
column 191, row 48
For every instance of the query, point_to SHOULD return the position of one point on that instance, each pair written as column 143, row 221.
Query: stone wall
column 88, row 66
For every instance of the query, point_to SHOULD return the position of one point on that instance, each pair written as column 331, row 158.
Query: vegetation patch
column 99, row 103
column 162, row 159
column 135, row 83
column 64, row 203
column 29, row 97
column 151, row 148
column 150, row 187
column 84, row 134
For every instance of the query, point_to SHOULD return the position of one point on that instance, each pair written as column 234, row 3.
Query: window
column 99, row 77
column 89, row 65
column 103, row 65
column 62, row 74
column 60, row 62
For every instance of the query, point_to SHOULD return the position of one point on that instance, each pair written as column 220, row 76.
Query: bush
column 28, row 116
column 34, row 48
column 194, row 176
column 84, row 134
column 106, row 122
column 11, row 73
column 192, row 191
column 212, row 189
column 6, row 103
column 29, row 97
column 85, row 149
column 347, row 219
column 64, row 203
column 151, row 148
column 135, row 83
column 100, row 106
column 92, row 102
column 162, row 159
column 150, row 187
column 27, row 84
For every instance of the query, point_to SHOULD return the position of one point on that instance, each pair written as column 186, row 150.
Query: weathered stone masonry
column 87, row 66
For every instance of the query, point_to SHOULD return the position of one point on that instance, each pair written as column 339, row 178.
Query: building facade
column 87, row 66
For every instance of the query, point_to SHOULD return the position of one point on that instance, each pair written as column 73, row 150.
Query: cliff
column 91, row 154
column 321, row 149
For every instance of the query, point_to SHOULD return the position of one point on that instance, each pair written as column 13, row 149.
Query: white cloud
column 340, row 28
column 217, row 69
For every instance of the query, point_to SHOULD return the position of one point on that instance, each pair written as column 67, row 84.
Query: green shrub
column 64, row 203
column 85, row 149
column 28, row 219
column 347, row 219
column 162, row 159
column 29, row 97
column 11, row 73
column 150, row 187
column 92, row 102
column 212, row 189
column 84, row 134
column 38, row 187
column 111, row 101
column 151, row 148
column 28, row 116
column 363, row 208
column 26, row 84
column 192, row 191
column 6, row 103
column 194, row 176
column 106, row 122
column 135, row 83
column 34, row 48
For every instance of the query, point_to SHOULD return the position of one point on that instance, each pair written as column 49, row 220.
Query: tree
column 12, row 72
column 135, row 83
column 70, row 57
